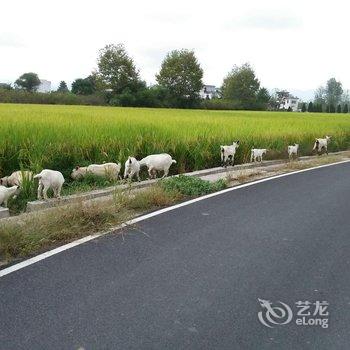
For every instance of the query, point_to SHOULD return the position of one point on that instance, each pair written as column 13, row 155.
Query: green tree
column 263, row 98
column 303, row 107
column 116, row 70
column 6, row 86
column 181, row 75
column 310, row 107
column 339, row 109
column 334, row 92
column 86, row 86
column 241, row 85
column 63, row 87
column 28, row 81
column 346, row 108
column 319, row 108
column 331, row 108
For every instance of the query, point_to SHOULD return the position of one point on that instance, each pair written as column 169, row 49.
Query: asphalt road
column 191, row 278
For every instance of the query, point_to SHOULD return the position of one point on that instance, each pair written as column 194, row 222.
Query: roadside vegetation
column 62, row 137
column 36, row 232
column 32, row 233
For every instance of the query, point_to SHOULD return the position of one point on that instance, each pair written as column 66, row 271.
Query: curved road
column 191, row 278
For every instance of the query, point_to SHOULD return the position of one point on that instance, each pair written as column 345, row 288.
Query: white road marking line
column 55, row 251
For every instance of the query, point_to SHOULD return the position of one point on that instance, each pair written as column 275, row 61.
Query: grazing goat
column 16, row 178
column 110, row 170
column 157, row 162
column 49, row 179
column 256, row 154
column 8, row 192
column 322, row 144
column 293, row 151
column 228, row 154
column 132, row 167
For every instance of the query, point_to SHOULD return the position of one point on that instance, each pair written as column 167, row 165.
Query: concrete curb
column 4, row 213
column 109, row 191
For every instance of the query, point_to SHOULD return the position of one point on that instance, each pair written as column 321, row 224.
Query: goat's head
column 3, row 181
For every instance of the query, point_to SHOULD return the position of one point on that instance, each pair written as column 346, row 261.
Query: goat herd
column 52, row 179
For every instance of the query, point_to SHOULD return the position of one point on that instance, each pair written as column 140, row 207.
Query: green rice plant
column 58, row 137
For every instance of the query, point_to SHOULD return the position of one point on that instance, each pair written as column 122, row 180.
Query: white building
column 289, row 102
column 208, row 92
column 45, row 86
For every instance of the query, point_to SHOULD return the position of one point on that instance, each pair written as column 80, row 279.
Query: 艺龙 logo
column 307, row 314
column 274, row 315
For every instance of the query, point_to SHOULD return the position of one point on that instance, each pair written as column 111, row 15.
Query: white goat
column 110, row 170
column 132, row 167
column 8, row 192
column 228, row 154
column 293, row 151
column 257, row 154
column 322, row 143
column 49, row 179
column 16, row 178
column 157, row 162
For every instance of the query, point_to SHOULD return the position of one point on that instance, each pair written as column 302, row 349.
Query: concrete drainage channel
column 109, row 191
column 36, row 206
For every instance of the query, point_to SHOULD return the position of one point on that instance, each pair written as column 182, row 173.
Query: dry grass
column 242, row 176
column 39, row 231
column 321, row 160
column 34, row 232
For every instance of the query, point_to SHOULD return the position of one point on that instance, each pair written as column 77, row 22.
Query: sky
column 295, row 45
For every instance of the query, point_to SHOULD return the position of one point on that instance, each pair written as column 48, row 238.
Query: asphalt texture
column 191, row 278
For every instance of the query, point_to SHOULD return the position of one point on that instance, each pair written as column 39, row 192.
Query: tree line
column 331, row 98
column 118, row 82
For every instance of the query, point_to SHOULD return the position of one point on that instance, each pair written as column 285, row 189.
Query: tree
column 333, row 91
column 263, row 98
column 331, row 108
column 310, row 107
column 320, row 98
column 241, row 85
column 318, row 107
column 86, row 86
column 346, row 108
column 181, row 75
column 303, row 107
column 6, row 86
column 63, row 87
column 339, row 109
column 116, row 70
column 28, row 81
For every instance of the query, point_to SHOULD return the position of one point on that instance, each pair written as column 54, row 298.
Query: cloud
column 11, row 40
column 267, row 22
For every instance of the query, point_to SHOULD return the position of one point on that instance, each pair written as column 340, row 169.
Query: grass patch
column 192, row 186
column 35, row 232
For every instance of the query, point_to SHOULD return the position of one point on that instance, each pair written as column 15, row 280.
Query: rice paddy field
column 61, row 137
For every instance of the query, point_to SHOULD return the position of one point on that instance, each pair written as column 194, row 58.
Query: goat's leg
column 45, row 192
column 40, row 189
column 138, row 176
column 58, row 192
column 166, row 172
column 223, row 164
